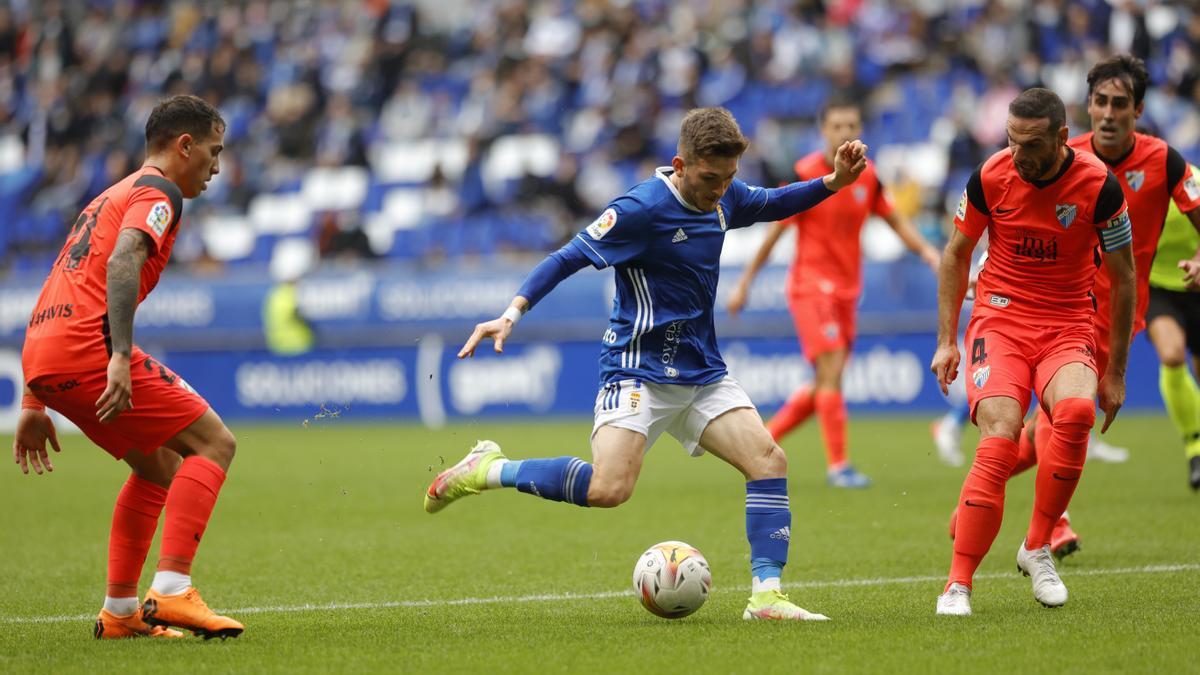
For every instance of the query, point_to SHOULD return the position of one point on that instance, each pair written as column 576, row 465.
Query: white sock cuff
column 167, row 582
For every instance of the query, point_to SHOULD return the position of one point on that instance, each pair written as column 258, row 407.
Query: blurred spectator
column 420, row 94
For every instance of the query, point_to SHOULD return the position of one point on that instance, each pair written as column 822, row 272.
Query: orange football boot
column 1063, row 540
column 109, row 626
column 188, row 611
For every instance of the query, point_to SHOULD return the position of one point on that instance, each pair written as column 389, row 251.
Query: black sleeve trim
column 170, row 190
column 975, row 192
column 1109, row 201
column 1176, row 168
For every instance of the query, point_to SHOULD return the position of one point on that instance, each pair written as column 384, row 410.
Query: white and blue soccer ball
column 672, row 579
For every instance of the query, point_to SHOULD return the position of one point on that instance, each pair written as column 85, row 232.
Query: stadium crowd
column 444, row 128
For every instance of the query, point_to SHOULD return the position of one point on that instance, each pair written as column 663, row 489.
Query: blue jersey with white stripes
column 666, row 256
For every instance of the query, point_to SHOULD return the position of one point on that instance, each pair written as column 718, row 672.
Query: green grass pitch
column 320, row 541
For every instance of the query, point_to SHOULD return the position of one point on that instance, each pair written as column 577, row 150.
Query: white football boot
column 1038, row 565
column 947, row 437
column 1100, row 451
column 956, row 601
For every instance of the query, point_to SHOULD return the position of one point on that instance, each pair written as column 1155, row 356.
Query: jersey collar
column 664, row 174
column 1061, row 170
column 1122, row 158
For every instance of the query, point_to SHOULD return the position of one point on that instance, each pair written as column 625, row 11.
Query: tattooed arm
column 124, row 279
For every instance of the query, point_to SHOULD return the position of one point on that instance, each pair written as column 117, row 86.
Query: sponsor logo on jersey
column 159, row 217
column 1135, row 179
column 1037, row 248
column 721, row 217
column 603, row 224
column 1065, row 214
column 998, row 301
column 980, row 376
column 680, row 235
column 961, row 213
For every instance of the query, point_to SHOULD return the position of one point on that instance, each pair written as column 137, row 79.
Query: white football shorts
column 681, row 410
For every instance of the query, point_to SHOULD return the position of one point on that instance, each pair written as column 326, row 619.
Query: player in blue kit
column 660, row 369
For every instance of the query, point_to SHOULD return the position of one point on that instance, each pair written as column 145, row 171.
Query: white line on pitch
column 559, row 597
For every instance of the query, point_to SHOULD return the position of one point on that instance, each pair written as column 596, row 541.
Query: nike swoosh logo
column 978, row 506
column 1058, row 477
column 1001, row 212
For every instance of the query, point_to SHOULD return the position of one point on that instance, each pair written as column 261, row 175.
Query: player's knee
column 1075, row 416
column 771, row 463
column 1172, row 355
column 1001, row 428
column 221, row 448
column 607, row 494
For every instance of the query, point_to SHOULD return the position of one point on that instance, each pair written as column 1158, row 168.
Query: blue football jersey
column 666, row 255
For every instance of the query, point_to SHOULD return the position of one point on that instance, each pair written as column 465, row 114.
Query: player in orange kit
column 1043, row 205
column 1151, row 174
column 79, row 359
column 825, row 282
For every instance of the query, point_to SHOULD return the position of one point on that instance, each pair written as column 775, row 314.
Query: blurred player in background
column 80, row 360
column 1043, row 205
column 947, row 430
column 1173, row 326
column 660, row 366
column 1151, row 174
column 824, row 285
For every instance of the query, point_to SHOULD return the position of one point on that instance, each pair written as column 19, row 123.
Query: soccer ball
column 672, row 579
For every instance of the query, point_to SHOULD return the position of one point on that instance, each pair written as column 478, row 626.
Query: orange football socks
column 1060, row 467
column 190, row 503
column 795, row 411
column 135, row 518
column 981, row 506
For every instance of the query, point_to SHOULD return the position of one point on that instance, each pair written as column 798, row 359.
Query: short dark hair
column 839, row 101
column 183, row 114
column 1124, row 67
column 711, row 132
column 1038, row 103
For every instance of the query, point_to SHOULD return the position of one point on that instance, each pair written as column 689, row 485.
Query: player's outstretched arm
column 124, row 279
column 34, row 428
column 952, row 287
column 913, row 240
column 541, row 280
column 741, row 292
column 1124, row 298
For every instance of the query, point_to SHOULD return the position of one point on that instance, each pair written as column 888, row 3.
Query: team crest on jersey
column 1065, row 214
column 961, row 213
column 981, row 375
column 1135, row 179
column 860, row 194
column 603, row 224
column 159, row 217
column 721, row 217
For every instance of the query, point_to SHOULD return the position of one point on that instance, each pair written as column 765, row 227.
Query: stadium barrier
column 387, row 345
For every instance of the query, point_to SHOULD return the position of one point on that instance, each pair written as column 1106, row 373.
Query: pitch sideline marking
column 556, row 597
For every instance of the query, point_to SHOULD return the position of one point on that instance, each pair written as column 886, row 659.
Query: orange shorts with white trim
column 163, row 405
